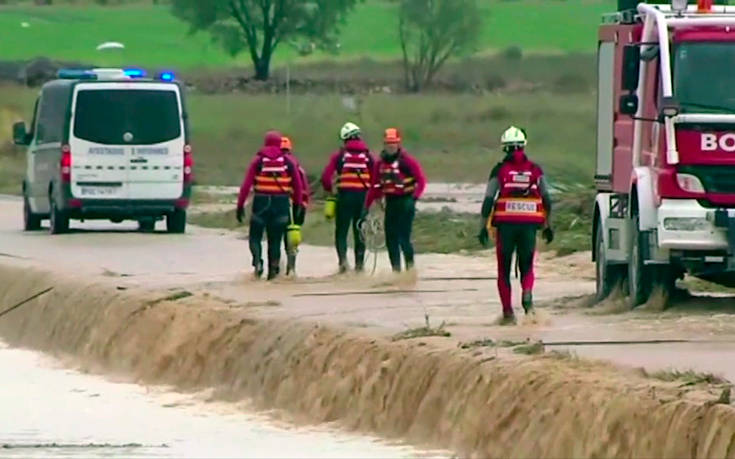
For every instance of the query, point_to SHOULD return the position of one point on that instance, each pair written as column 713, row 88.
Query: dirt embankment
column 478, row 403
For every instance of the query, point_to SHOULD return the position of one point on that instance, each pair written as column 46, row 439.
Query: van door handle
column 138, row 160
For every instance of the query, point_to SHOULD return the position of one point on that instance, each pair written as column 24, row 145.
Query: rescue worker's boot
column 258, row 269
column 509, row 318
column 360, row 260
column 343, row 266
column 273, row 271
column 291, row 264
column 527, row 302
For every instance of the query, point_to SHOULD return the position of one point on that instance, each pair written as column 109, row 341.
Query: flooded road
column 47, row 410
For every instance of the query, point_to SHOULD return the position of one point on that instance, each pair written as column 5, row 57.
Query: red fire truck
column 665, row 173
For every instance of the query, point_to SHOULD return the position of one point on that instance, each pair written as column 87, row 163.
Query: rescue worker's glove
column 484, row 237
column 240, row 214
column 548, row 234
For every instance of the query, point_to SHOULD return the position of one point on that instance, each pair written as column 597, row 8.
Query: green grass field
column 454, row 136
column 153, row 37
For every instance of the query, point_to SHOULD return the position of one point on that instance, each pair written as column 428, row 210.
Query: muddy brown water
column 50, row 411
column 453, row 290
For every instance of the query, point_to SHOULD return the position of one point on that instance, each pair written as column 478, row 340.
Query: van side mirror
column 631, row 67
column 20, row 136
column 629, row 104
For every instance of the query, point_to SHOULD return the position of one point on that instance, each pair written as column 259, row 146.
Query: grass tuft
column 687, row 377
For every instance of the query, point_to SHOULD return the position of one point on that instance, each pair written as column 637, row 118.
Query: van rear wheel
column 59, row 221
column 176, row 221
column 31, row 221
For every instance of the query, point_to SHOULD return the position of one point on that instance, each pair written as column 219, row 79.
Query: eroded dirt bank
column 482, row 404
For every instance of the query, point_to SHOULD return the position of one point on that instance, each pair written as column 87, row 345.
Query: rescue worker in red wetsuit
column 518, row 202
column 353, row 164
column 399, row 178
column 276, row 180
column 298, row 212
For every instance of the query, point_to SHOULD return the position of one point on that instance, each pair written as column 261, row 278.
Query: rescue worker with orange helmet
column 298, row 212
column 517, row 204
column 352, row 164
column 399, row 178
column 275, row 178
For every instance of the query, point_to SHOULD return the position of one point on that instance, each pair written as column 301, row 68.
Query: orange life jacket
column 273, row 176
column 395, row 180
column 354, row 171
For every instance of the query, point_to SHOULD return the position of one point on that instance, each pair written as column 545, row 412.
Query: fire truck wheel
column 640, row 277
column 608, row 276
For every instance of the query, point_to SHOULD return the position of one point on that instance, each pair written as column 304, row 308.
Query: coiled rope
column 373, row 235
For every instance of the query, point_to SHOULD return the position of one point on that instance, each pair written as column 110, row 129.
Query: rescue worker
column 517, row 203
column 353, row 164
column 298, row 212
column 399, row 178
column 275, row 179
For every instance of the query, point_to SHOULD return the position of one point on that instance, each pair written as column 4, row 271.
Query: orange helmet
column 392, row 135
column 286, row 143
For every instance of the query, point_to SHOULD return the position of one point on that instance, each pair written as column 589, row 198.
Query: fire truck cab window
column 704, row 78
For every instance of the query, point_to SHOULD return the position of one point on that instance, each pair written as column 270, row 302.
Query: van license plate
column 98, row 191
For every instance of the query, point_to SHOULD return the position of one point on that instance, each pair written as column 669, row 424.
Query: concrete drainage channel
column 477, row 403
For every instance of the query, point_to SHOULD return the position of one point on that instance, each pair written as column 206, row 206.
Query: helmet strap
column 511, row 148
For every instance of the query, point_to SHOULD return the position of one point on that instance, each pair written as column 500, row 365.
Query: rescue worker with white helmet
column 517, row 204
column 353, row 164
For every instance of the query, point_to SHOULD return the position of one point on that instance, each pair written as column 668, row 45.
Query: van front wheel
column 176, row 221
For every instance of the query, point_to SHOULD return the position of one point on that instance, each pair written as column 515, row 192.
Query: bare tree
column 432, row 31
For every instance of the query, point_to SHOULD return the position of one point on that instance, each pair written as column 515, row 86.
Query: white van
column 107, row 144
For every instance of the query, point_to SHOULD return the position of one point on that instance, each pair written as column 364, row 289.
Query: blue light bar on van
column 76, row 74
column 134, row 73
column 166, row 76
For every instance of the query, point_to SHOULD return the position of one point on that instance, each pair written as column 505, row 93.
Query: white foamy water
column 47, row 410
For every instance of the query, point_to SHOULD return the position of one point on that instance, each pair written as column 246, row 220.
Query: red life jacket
column 519, row 199
column 274, row 176
column 395, row 180
column 354, row 171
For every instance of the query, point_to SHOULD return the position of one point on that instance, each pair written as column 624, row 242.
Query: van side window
column 51, row 116
column 35, row 118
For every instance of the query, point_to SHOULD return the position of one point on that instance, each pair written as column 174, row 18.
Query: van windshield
column 704, row 77
column 127, row 116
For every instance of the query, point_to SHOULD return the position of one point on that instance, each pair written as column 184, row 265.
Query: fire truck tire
column 608, row 276
column 641, row 278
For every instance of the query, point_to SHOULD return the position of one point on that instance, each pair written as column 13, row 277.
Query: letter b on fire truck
column 713, row 142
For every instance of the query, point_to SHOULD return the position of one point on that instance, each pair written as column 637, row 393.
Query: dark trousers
column 521, row 239
column 350, row 205
column 399, row 214
column 270, row 215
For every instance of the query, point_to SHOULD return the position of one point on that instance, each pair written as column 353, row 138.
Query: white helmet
column 513, row 137
column 349, row 130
